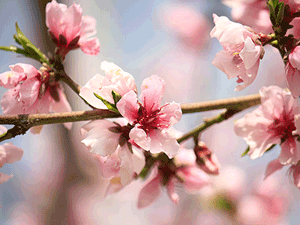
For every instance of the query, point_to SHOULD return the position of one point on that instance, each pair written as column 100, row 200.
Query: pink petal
column 4, row 177
column 290, row 152
column 294, row 58
column 109, row 167
column 29, row 70
column 227, row 31
column 91, row 87
column 295, row 169
column 36, row 129
column 254, row 129
column 163, row 141
column 171, row 113
column 293, row 79
column 10, row 153
column 153, row 89
column 99, row 139
column 29, row 91
column 42, row 105
column 140, row 137
column 128, row 106
column 229, row 64
column 193, row 178
column 71, row 20
column 277, row 102
column 185, row 157
column 250, row 53
column 171, row 191
column 62, row 106
column 138, row 160
column 272, row 167
column 151, row 190
column 10, row 102
column 248, row 77
column 88, row 26
column 90, row 46
column 54, row 14
column 126, row 168
column 10, row 80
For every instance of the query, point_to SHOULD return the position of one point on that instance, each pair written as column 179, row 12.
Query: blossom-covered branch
column 25, row 121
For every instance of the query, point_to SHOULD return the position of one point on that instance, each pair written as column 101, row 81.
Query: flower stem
column 207, row 123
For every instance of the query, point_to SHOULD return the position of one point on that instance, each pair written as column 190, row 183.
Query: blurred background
column 57, row 182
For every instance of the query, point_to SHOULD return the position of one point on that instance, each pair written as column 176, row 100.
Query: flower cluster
column 119, row 146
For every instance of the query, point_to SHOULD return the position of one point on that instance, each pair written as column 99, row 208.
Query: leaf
column 248, row 149
column 12, row 48
column 280, row 12
column 116, row 96
column 245, row 152
column 115, row 129
column 109, row 106
column 30, row 50
column 270, row 148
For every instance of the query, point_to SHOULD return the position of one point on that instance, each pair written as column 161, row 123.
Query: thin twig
column 207, row 123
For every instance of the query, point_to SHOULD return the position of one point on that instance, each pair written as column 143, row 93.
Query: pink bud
column 206, row 159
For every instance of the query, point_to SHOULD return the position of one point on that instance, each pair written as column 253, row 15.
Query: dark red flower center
column 151, row 120
column 284, row 126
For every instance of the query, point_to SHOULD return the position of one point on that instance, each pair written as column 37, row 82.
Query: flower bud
column 206, row 159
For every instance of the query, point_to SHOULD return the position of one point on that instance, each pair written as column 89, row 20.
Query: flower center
column 151, row 120
column 284, row 126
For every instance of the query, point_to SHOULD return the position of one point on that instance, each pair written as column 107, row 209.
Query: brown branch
column 40, row 119
column 236, row 103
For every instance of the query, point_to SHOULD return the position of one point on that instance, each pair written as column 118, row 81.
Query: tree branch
column 236, row 103
column 41, row 119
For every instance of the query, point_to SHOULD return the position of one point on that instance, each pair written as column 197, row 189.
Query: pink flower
column 242, row 51
column 253, row 13
column 187, row 23
column 115, row 80
column 267, row 204
column 70, row 30
column 182, row 170
column 294, row 171
column 292, row 71
column 31, row 91
column 8, row 154
column 150, row 121
column 273, row 122
column 109, row 142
